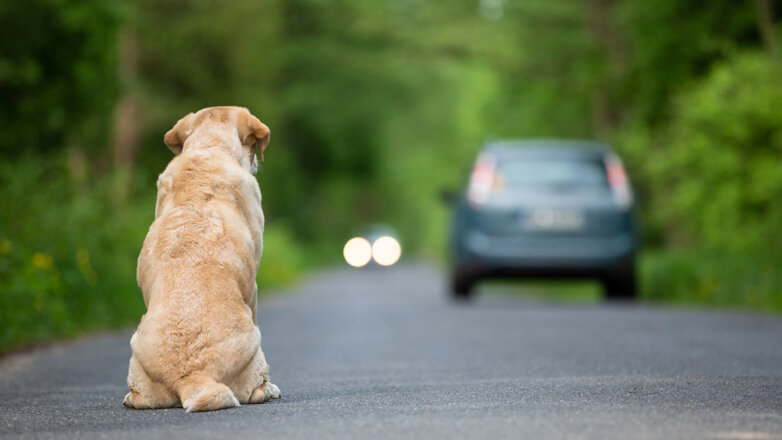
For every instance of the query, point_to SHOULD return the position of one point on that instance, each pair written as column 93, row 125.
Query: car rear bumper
column 540, row 256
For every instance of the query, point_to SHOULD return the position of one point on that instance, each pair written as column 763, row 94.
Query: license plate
column 554, row 220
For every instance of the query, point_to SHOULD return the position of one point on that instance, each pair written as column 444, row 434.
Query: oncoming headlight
column 357, row 252
column 386, row 250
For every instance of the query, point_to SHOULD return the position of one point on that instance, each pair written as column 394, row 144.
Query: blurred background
column 375, row 107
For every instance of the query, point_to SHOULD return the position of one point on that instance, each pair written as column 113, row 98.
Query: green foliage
column 719, row 160
column 57, row 73
column 673, row 43
column 723, row 279
column 67, row 253
column 282, row 261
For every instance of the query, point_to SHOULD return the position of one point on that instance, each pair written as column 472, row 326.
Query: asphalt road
column 379, row 354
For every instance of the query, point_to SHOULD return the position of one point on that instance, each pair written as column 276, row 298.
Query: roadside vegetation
column 375, row 108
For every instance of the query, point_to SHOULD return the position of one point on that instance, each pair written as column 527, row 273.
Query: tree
column 57, row 75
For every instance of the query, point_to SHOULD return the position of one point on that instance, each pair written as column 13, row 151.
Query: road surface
column 374, row 354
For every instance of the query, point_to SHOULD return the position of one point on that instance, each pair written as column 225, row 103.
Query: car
column 545, row 209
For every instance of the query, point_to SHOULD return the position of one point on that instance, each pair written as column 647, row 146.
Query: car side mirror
column 448, row 196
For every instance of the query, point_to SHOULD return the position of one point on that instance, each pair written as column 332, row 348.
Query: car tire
column 621, row 285
column 462, row 285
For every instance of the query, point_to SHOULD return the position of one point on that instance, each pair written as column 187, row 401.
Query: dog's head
column 226, row 124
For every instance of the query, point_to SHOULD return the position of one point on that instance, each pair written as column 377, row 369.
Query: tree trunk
column 126, row 111
column 606, row 114
column 765, row 17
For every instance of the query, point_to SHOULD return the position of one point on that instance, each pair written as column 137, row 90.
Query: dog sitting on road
column 198, row 345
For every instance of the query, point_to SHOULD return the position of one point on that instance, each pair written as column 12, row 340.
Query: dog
column 198, row 346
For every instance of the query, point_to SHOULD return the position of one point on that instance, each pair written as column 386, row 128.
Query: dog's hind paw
column 265, row 392
column 134, row 400
column 128, row 401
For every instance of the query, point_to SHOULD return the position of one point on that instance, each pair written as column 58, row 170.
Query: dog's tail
column 201, row 393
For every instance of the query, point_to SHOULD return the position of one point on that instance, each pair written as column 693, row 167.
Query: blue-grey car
column 545, row 209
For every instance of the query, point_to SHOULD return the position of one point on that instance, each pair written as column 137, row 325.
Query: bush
column 717, row 167
column 67, row 253
column 282, row 261
column 725, row 280
column 712, row 174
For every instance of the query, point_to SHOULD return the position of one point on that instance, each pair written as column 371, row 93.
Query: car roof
column 547, row 148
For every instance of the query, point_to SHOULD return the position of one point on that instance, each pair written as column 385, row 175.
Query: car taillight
column 617, row 180
column 482, row 180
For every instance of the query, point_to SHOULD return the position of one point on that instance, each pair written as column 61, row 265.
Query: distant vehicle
column 377, row 246
column 545, row 209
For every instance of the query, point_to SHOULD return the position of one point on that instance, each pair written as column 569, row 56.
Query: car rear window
column 552, row 173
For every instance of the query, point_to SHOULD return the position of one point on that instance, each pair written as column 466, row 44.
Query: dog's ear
column 253, row 131
column 175, row 138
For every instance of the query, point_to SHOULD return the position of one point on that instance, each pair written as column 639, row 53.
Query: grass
column 717, row 279
column 578, row 292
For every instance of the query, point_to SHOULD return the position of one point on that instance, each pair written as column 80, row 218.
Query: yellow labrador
column 198, row 346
